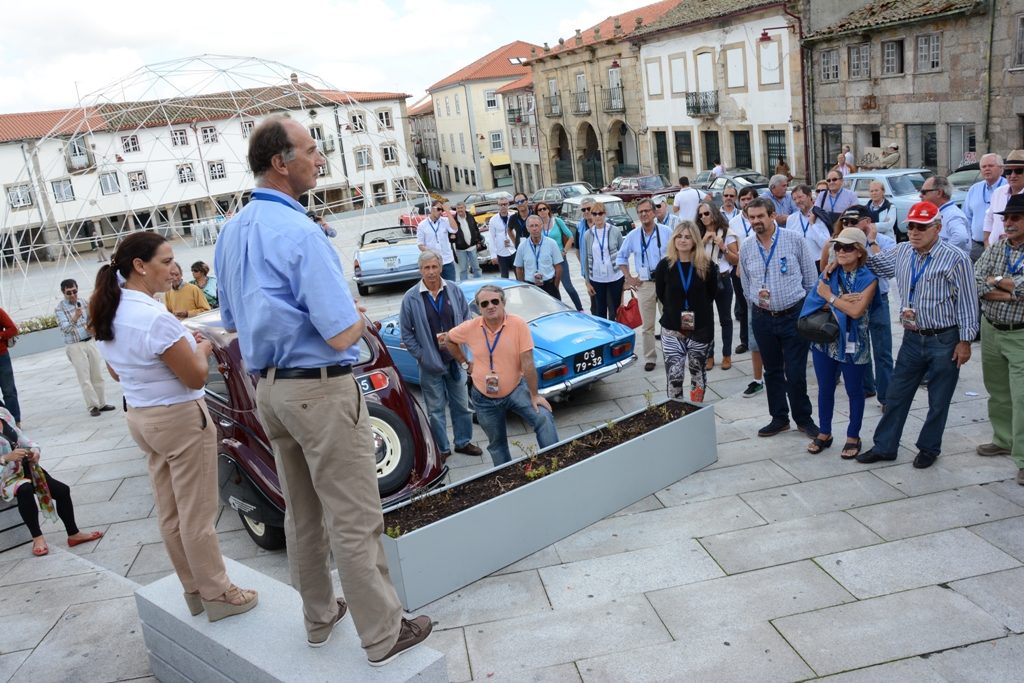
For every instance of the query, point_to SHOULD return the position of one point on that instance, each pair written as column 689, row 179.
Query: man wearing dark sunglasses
column 503, row 373
column 939, row 314
column 836, row 199
column 73, row 320
column 1013, row 170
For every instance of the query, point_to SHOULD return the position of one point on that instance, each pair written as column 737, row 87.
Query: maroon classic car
column 407, row 457
column 633, row 188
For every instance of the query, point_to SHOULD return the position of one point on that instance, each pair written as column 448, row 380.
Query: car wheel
column 393, row 448
column 265, row 536
column 362, row 289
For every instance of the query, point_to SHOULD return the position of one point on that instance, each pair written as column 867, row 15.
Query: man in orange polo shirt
column 504, row 377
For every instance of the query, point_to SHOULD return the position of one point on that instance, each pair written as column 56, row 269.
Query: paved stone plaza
column 771, row 565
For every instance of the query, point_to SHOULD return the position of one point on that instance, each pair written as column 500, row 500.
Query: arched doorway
column 623, row 158
column 561, row 154
column 589, row 154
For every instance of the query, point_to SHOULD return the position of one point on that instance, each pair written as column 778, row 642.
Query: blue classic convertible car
column 385, row 255
column 570, row 350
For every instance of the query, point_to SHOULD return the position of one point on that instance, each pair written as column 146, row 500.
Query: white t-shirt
column 739, row 229
column 687, row 200
column 434, row 236
column 501, row 245
column 143, row 330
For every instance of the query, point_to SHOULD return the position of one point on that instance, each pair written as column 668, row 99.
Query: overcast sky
column 48, row 51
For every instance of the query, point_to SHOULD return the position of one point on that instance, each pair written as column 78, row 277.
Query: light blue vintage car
column 385, row 255
column 571, row 349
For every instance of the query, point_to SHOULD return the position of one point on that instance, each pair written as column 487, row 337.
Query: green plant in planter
column 394, row 531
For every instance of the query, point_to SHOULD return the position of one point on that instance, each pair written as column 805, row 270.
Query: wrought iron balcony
column 517, row 115
column 614, row 100
column 700, row 104
column 552, row 105
column 580, row 102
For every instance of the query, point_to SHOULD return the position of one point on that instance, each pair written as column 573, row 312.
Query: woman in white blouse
column 604, row 280
column 162, row 369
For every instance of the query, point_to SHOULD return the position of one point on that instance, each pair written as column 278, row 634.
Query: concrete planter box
column 37, row 342
column 442, row 557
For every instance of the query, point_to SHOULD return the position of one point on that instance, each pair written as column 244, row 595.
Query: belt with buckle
column 784, row 312
column 934, row 332
column 1006, row 327
column 308, row 373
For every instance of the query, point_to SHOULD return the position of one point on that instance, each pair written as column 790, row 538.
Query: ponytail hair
column 106, row 295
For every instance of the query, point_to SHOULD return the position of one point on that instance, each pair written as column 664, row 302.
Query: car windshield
column 904, row 184
column 573, row 190
column 615, row 208
column 653, row 182
column 751, row 179
column 529, row 303
column 385, row 236
column 964, row 179
column 492, row 196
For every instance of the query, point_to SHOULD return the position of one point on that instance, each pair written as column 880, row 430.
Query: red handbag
column 629, row 313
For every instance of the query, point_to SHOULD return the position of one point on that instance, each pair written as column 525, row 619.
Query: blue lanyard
column 915, row 275
column 985, row 190
column 601, row 242
column 685, row 282
column 1015, row 267
column 645, row 244
column 768, row 259
column 438, row 303
column 746, row 226
column 731, row 214
column 832, row 201
column 803, row 224
column 943, row 207
column 490, row 346
column 536, row 252
column 435, row 228
column 273, row 198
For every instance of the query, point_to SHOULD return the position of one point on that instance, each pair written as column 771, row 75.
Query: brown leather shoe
column 469, row 449
column 726, row 362
column 320, row 641
column 710, row 364
column 413, row 632
column 991, row 449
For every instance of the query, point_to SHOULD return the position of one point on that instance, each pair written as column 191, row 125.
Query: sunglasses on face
column 851, row 222
column 71, row 291
column 1014, row 171
column 586, row 210
column 918, row 226
column 542, row 208
column 487, row 303
column 840, row 247
column 729, row 196
column 520, row 201
column 597, row 213
column 704, row 214
column 833, row 180
column 925, row 191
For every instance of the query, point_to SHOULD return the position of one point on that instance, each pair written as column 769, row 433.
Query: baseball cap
column 852, row 236
column 659, row 200
column 923, row 213
column 856, row 212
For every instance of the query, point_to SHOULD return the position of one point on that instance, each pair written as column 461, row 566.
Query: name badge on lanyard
column 491, row 383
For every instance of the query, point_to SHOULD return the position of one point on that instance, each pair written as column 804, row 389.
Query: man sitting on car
column 504, row 376
column 430, row 308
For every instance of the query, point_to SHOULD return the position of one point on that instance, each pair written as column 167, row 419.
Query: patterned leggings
column 679, row 352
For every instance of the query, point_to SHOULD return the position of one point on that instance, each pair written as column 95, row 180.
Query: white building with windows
column 723, row 81
column 424, row 142
column 71, row 177
column 470, row 119
column 522, row 134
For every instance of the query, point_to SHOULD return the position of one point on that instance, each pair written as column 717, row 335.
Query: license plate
column 365, row 385
column 588, row 360
column 390, row 261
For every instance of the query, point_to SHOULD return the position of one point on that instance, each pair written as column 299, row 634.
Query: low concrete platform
column 267, row 644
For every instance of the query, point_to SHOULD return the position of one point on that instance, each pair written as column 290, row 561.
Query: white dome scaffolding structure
column 164, row 148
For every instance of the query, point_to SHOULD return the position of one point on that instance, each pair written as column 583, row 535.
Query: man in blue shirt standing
column 979, row 197
column 781, row 200
column 956, row 230
column 282, row 289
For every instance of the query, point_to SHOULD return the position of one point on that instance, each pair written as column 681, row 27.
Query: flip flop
column 93, row 536
column 40, row 550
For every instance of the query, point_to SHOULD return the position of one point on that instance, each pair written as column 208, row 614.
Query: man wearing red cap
column 939, row 314
column 999, row 275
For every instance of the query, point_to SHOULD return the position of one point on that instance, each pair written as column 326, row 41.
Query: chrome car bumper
column 577, row 382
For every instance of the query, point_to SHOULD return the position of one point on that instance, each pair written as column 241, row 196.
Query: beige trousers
column 323, row 448
column 180, row 442
column 85, row 359
column 650, row 311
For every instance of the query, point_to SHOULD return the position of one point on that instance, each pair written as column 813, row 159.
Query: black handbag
column 821, row 326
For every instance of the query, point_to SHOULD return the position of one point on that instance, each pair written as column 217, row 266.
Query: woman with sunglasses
column 604, row 280
column 685, row 283
column 554, row 227
column 848, row 289
column 715, row 229
column 202, row 279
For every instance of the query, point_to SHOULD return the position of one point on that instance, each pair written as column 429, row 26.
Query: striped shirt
column 995, row 261
column 788, row 276
column 945, row 294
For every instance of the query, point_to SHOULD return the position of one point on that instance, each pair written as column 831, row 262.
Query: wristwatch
column 464, row 365
column 997, row 280
column 872, row 244
column 832, row 300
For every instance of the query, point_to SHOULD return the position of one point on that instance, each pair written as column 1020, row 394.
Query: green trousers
column 1002, row 366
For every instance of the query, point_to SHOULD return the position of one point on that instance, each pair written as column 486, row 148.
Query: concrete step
column 13, row 531
column 267, row 644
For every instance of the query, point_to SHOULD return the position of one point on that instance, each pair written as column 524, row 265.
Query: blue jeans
column 447, row 390
column 919, row 356
column 491, row 413
column 723, row 302
column 880, row 333
column 448, row 271
column 825, row 368
column 784, row 354
column 468, row 264
column 568, row 287
column 10, row 391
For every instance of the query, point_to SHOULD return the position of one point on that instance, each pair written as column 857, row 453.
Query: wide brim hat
column 1015, row 206
column 1014, row 159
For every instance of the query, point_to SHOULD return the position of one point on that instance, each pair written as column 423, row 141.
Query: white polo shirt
column 143, row 329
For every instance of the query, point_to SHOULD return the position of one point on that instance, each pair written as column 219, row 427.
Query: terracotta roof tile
column 518, row 84
column 693, row 12
column 36, row 124
column 889, row 12
column 606, row 30
column 424, row 107
column 492, row 66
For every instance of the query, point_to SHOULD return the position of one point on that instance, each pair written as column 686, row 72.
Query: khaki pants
column 85, row 359
column 650, row 311
column 180, row 442
column 320, row 431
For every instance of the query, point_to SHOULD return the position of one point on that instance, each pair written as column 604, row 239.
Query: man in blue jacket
column 430, row 308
